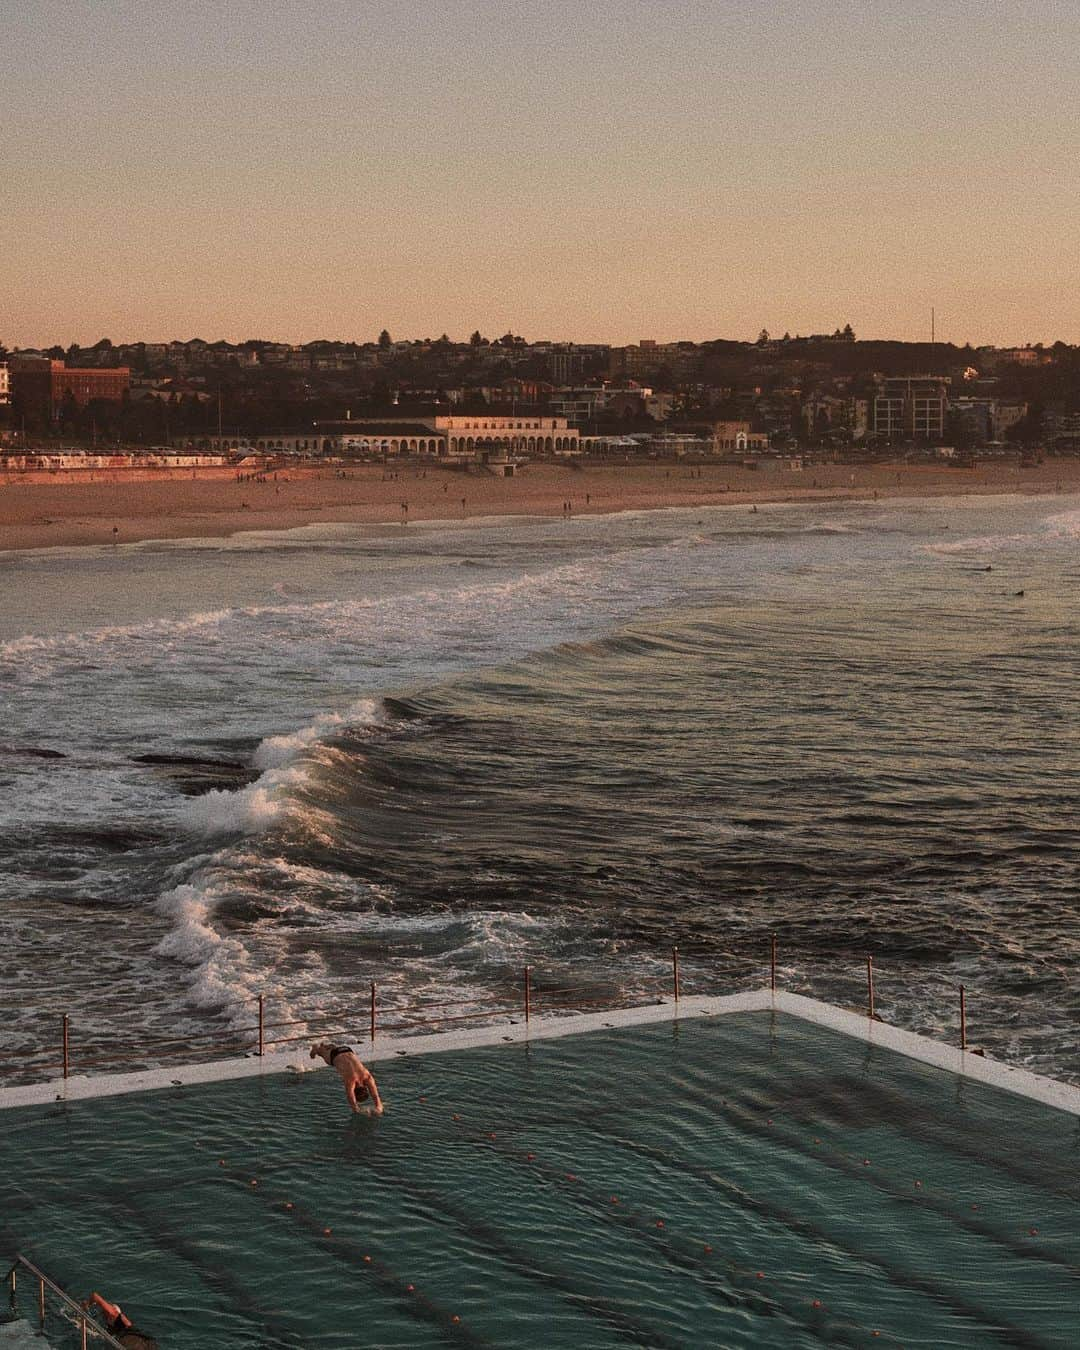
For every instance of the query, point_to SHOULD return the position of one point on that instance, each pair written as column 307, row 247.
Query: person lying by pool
column 359, row 1082
column 119, row 1325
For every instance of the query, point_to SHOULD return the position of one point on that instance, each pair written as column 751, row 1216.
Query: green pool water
column 746, row 1180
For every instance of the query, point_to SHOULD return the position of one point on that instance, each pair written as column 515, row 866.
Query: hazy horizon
column 626, row 171
column 491, row 336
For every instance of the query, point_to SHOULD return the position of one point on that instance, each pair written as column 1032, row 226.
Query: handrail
column 398, row 1014
column 44, row 1282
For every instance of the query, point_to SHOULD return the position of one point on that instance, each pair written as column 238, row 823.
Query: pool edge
column 951, row 1059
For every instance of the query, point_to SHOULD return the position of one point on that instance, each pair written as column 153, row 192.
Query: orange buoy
column 816, row 1303
column 326, row 1232
column 455, row 1318
column 530, row 1157
column 614, row 1199
column 708, row 1250
column 368, row 1259
column 760, row 1274
column 659, row 1223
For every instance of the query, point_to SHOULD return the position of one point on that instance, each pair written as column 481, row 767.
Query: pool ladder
column 87, row 1326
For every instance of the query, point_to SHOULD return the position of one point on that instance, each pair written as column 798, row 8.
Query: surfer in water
column 359, row 1082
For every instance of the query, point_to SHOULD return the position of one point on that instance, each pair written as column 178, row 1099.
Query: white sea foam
column 982, row 545
column 223, row 974
column 253, row 808
column 1065, row 524
column 276, row 751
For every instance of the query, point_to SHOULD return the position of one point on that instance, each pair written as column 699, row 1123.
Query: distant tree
column 476, row 340
column 384, row 339
column 763, row 337
column 849, row 333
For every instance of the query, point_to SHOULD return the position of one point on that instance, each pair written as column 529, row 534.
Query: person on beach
column 359, row 1082
column 119, row 1325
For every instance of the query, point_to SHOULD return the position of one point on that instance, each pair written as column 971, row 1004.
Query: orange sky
column 289, row 169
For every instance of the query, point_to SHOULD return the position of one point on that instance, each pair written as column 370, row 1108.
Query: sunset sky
column 604, row 171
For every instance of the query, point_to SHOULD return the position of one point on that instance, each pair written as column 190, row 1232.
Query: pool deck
column 963, row 1063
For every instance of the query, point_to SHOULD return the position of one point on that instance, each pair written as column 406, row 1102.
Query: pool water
column 745, row 1180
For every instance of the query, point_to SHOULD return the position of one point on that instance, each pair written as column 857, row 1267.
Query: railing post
column 869, row 986
column 11, row 1278
column 65, row 1035
column 528, row 994
column 41, row 1303
column 963, row 1020
column 772, row 963
column 675, row 970
column 84, row 1333
column 372, row 1009
column 262, row 1023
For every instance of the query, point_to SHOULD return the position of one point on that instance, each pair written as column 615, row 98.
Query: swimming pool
column 744, row 1180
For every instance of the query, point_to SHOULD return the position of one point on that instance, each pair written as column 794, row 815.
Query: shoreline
column 67, row 512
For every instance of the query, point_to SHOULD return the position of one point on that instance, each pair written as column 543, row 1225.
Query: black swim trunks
column 336, row 1050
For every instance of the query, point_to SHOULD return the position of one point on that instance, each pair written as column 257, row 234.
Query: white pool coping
column 951, row 1059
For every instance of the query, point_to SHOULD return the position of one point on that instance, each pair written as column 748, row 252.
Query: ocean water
column 293, row 763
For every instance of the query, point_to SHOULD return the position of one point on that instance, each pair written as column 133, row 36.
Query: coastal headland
column 65, row 509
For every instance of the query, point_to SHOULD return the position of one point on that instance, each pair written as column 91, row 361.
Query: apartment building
column 911, row 407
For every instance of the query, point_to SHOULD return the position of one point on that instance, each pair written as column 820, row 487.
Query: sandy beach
column 40, row 512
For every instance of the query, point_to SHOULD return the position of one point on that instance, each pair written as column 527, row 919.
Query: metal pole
column 963, row 1020
column 372, row 1009
column 262, row 1023
column 65, row 1045
column 870, row 986
column 11, row 1277
column 41, row 1302
column 675, row 970
column 84, row 1333
column 528, row 994
column 772, row 963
